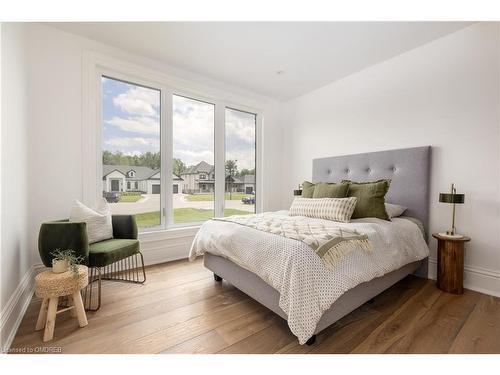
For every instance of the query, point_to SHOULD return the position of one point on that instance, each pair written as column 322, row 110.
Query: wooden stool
column 50, row 286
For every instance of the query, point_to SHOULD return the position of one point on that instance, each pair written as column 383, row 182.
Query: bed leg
column 217, row 278
column 311, row 340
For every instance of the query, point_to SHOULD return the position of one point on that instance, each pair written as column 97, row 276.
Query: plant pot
column 60, row 266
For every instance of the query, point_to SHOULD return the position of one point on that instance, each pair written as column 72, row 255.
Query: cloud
column 190, row 157
column 138, row 101
column 194, row 133
column 143, row 125
column 240, row 138
column 240, row 126
column 133, row 142
column 245, row 158
column 137, row 130
column 193, row 130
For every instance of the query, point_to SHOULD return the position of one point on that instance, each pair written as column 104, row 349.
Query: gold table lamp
column 454, row 199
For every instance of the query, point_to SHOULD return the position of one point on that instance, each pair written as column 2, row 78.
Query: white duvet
column 306, row 287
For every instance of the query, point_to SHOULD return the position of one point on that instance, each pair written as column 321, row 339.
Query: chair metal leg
column 88, row 302
column 125, row 270
column 128, row 270
column 143, row 269
column 99, row 288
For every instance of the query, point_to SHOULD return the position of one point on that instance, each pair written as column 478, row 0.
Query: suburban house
column 120, row 178
column 200, row 178
column 243, row 184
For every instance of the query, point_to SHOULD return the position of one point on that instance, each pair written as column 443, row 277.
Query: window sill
column 167, row 234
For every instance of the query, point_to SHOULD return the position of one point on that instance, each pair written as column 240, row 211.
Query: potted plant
column 65, row 260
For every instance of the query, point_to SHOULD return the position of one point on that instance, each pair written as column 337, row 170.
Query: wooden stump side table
column 450, row 263
column 50, row 286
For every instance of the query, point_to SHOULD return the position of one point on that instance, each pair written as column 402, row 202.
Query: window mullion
column 259, row 194
column 167, row 145
column 219, row 156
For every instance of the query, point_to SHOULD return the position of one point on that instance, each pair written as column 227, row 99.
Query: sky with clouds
column 131, row 124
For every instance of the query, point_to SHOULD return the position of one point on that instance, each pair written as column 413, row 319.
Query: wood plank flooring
column 181, row 309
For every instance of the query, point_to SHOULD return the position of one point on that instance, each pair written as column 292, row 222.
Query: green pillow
column 325, row 190
column 371, row 198
column 307, row 189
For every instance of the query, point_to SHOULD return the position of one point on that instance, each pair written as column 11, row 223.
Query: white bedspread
column 306, row 287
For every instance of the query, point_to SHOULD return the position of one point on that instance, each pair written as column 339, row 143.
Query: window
column 131, row 137
column 161, row 160
column 193, row 158
column 240, row 162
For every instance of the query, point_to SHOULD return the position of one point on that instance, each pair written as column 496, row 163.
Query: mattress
column 306, row 287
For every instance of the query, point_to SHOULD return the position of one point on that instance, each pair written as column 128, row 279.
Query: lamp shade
column 451, row 198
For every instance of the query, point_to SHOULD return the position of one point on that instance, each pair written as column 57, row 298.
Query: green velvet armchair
column 114, row 259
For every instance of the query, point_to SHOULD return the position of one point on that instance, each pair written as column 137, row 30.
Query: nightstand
column 450, row 263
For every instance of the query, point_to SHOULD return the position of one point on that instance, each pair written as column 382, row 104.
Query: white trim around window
column 94, row 66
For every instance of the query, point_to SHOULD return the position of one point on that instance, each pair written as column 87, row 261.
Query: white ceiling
column 248, row 55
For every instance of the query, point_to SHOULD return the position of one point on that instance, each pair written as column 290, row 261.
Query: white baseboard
column 475, row 278
column 13, row 312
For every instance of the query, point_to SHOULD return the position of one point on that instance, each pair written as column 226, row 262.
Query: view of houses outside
column 131, row 156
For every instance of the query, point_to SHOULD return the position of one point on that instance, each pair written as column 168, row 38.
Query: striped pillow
column 336, row 209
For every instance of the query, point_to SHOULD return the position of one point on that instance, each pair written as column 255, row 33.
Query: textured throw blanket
column 328, row 240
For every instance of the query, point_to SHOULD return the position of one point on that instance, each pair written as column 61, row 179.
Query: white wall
column 444, row 94
column 55, row 139
column 16, row 254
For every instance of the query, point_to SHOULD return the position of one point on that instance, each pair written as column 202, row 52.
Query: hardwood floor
column 181, row 309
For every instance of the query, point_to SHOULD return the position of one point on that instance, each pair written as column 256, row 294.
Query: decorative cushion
column 336, row 209
column 107, row 252
column 98, row 220
column 371, row 198
column 307, row 189
column 394, row 210
column 325, row 190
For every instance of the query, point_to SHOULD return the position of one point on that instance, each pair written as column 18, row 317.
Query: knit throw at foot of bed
column 328, row 240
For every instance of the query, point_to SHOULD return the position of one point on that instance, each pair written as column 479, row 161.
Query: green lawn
column 210, row 197
column 182, row 215
column 130, row 198
column 148, row 219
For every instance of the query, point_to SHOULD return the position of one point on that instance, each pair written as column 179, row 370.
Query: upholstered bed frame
column 409, row 171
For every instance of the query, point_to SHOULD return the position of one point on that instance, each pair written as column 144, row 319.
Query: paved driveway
column 151, row 202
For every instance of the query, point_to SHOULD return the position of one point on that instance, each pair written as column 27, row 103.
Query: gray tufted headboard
column 408, row 168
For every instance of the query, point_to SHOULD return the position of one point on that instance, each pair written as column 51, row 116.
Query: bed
column 282, row 275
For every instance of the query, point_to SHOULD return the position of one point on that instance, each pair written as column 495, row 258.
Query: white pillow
column 99, row 223
column 394, row 210
column 336, row 209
